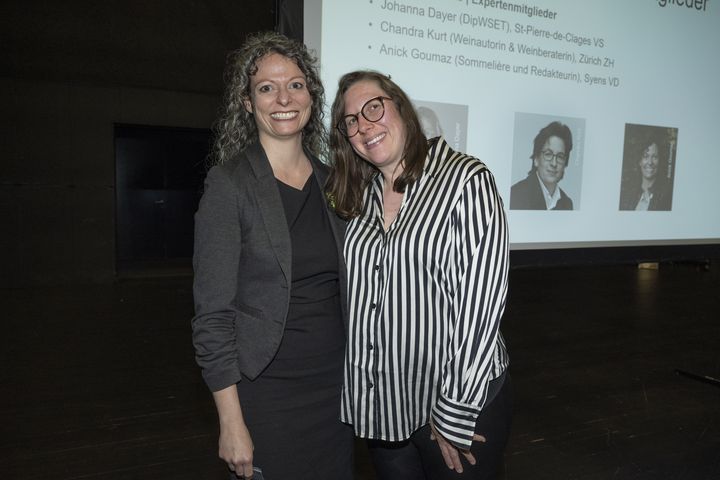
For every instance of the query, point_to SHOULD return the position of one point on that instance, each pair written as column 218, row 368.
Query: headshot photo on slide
column 447, row 120
column 648, row 168
column 547, row 162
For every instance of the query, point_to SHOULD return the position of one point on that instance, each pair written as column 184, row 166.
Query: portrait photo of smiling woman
column 553, row 150
column 648, row 168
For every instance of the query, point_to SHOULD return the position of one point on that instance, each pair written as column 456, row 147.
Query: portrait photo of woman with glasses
column 549, row 159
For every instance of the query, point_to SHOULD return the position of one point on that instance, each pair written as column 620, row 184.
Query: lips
column 375, row 140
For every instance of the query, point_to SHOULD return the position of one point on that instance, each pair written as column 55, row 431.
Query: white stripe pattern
column 425, row 301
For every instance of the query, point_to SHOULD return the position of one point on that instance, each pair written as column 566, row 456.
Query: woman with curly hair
column 647, row 184
column 269, row 329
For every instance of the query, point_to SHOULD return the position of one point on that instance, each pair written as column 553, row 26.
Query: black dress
column 292, row 409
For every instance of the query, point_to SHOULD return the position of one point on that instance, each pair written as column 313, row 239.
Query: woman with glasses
column 269, row 329
column 550, row 157
column 426, row 249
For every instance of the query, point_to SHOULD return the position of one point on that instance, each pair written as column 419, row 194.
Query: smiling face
column 279, row 98
column 381, row 143
column 649, row 162
column 552, row 170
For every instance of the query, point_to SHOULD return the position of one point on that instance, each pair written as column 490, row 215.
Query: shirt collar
column 550, row 200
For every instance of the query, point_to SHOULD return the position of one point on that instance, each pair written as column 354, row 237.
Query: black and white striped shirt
column 425, row 302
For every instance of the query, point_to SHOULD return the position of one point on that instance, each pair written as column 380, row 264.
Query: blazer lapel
column 271, row 208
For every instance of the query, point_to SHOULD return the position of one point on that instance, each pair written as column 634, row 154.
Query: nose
column 283, row 97
column 364, row 124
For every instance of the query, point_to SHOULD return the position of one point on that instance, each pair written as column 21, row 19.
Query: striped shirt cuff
column 455, row 421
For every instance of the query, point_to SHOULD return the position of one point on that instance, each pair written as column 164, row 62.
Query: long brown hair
column 351, row 173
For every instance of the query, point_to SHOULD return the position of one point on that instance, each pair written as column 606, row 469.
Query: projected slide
column 598, row 118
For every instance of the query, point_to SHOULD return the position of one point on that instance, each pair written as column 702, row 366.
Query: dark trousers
column 419, row 458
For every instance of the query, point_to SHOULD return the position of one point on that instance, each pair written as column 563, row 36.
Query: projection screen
column 634, row 82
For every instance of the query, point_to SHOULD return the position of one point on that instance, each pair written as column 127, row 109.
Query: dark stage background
column 99, row 380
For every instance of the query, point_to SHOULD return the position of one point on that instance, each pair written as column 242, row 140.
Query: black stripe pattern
column 425, row 302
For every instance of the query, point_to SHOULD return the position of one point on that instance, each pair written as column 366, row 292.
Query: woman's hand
column 451, row 454
column 236, row 448
column 235, row 444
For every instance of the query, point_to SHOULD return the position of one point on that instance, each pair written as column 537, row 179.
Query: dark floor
column 99, row 382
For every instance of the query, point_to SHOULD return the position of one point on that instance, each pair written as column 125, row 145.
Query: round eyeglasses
column 372, row 111
column 549, row 155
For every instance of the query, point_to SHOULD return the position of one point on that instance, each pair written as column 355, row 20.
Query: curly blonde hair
column 235, row 129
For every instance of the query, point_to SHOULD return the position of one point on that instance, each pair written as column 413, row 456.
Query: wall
column 68, row 73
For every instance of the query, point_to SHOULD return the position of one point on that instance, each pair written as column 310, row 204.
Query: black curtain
column 289, row 19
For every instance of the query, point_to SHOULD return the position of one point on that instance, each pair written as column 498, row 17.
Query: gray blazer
column 242, row 263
